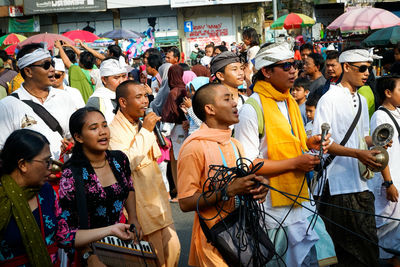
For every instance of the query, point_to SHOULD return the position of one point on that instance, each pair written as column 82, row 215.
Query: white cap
column 273, row 53
column 331, row 47
column 358, row 55
column 110, row 67
column 59, row 64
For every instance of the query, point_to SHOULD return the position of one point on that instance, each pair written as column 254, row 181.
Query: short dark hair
column 122, row 91
column 332, row 55
column 114, row 50
column 312, row 101
column 203, row 96
column 318, row 60
column 252, row 34
column 3, row 55
column 307, row 46
column 21, row 144
column 302, row 82
column 154, row 61
column 386, row 82
column 176, row 52
column 71, row 55
column 395, row 68
column 152, row 51
column 184, row 66
column 26, row 49
column 221, row 48
column 86, row 59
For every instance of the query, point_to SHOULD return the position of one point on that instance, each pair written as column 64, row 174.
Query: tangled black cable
column 247, row 236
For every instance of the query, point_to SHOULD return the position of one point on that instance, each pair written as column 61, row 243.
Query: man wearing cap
column 229, row 71
column 58, row 82
column 37, row 69
column 345, row 186
column 282, row 147
column 112, row 74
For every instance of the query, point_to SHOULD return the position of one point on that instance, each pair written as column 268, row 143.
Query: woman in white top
column 251, row 40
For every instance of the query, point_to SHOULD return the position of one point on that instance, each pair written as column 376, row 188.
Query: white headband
column 33, row 57
column 110, row 67
column 358, row 55
column 272, row 54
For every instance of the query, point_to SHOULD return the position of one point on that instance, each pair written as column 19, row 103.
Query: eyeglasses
column 362, row 68
column 286, row 66
column 45, row 65
column 48, row 162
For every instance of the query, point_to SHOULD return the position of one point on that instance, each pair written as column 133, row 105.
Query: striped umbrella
column 292, row 21
column 11, row 38
column 10, row 50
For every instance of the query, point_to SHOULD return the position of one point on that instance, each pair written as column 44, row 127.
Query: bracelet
column 387, row 184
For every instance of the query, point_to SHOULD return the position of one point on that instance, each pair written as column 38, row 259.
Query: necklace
column 99, row 167
column 42, row 99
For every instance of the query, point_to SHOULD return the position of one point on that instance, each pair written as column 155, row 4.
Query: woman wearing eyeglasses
column 31, row 224
column 102, row 175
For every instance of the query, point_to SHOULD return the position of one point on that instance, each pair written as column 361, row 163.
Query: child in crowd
column 385, row 184
column 299, row 92
column 311, row 105
column 205, row 61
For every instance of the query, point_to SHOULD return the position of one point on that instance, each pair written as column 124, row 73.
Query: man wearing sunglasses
column 345, row 187
column 281, row 147
column 37, row 69
column 58, row 82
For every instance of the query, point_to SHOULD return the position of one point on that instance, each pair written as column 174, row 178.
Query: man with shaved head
column 137, row 140
column 211, row 144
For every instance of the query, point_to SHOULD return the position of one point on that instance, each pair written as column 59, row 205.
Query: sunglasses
column 57, row 75
column 286, row 66
column 362, row 68
column 45, row 65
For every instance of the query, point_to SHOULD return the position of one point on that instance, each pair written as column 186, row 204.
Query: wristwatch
column 86, row 256
column 387, row 184
column 224, row 194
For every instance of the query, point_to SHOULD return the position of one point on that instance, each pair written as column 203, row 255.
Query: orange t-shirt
column 192, row 174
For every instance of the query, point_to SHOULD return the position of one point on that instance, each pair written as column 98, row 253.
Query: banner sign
column 187, row 3
column 55, row 6
column 24, row 25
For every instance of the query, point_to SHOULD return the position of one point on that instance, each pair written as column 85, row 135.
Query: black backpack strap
column 393, row 119
column 205, row 229
column 346, row 138
column 81, row 204
column 50, row 121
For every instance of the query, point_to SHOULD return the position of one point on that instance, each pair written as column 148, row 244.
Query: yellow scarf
column 284, row 141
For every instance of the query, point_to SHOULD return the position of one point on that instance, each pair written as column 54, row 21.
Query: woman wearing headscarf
column 172, row 113
column 201, row 71
column 32, row 225
column 158, row 102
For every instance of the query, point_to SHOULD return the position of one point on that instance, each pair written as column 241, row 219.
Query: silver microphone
column 156, row 130
column 324, row 131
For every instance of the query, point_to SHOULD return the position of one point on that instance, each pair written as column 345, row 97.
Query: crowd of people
column 119, row 129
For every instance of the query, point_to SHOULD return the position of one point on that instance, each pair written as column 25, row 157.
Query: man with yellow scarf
column 283, row 148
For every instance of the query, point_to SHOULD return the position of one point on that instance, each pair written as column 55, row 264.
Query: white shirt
column 76, row 96
column 338, row 107
column 15, row 114
column 205, row 61
column 382, row 205
column 105, row 104
column 246, row 131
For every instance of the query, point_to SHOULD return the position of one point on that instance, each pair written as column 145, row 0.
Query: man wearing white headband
column 112, row 74
column 37, row 69
column 271, row 131
column 345, row 186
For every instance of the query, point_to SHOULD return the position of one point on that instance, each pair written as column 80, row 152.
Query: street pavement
column 183, row 225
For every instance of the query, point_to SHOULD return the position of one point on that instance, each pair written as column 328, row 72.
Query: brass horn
column 56, row 166
column 381, row 136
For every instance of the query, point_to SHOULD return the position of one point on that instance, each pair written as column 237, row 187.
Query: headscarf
column 175, row 74
column 158, row 102
column 30, row 58
column 201, row 70
column 188, row 76
column 171, row 111
column 223, row 59
column 271, row 54
column 14, row 202
column 110, row 67
column 358, row 55
column 197, row 83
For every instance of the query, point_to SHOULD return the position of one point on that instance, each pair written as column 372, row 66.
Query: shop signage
column 188, row 26
column 187, row 3
column 24, row 25
column 16, row 11
column 55, row 6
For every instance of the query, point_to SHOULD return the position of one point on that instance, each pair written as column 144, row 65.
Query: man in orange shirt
column 211, row 144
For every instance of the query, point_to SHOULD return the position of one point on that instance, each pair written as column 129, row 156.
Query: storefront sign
column 55, row 6
column 188, row 26
column 136, row 3
column 24, row 25
column 16, row 11
column 187, row 3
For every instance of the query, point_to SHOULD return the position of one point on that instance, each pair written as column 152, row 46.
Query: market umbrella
column 11, row 38
column 122, row 34
column 81, row 35
column 384, row 36
column 10, row 50
column 363, row 19
column 48, row 38
column 292, row 21
column 103, row 42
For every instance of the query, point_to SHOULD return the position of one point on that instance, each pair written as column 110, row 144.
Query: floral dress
column 104, row 204
column 55, row 227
